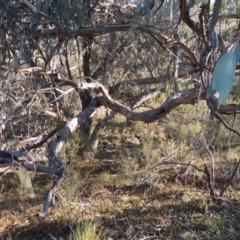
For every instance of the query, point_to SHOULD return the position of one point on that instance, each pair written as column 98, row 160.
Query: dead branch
column 40, row 143
column 103, row 30
column 177, row 163
column 230, row 180
column 145, row 96
column 209, row 181
column 185, row 16
column 55, row 146
column 14, row 159
column 184, row 97
column 216, row 114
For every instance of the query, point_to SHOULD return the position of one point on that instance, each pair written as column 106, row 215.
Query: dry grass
column 128, row 191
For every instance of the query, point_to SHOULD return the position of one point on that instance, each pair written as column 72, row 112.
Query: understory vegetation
column 142, row 183
column 119, row 119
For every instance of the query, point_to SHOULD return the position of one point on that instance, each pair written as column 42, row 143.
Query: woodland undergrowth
column 146, row 181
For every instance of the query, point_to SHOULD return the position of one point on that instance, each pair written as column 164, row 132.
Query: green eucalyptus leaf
column 224, row 73
column 215, row 15
column 26, row 181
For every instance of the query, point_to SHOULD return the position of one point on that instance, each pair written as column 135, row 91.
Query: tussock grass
column 86, row 231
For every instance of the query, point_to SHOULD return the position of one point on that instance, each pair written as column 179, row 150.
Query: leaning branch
column 106, row 29
column 55, row 146
column 10, row 160
column 189, row 96
column 103, row 29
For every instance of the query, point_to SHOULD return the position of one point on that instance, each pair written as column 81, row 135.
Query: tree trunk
column 91, row 149
column 85, row 95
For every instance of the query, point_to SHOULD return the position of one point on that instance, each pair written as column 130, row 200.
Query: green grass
column 87, row 231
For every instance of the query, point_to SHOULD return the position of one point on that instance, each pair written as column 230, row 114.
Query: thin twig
column 39, row 144
column 216, row 114
column 211, row 189
column 177, row 163
column 230, row 180
column 203, row 140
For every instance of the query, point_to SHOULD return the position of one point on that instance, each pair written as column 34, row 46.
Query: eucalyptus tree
column 105, row 52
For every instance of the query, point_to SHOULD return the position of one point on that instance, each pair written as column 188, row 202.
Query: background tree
column 117, row 55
